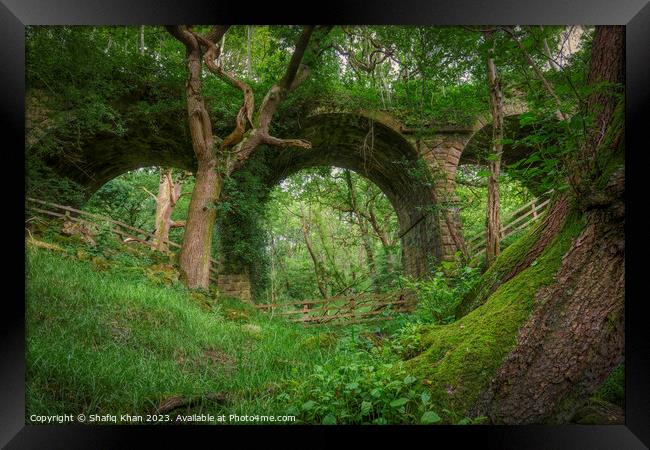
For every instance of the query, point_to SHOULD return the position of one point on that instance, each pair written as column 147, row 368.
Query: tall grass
column 113, row 342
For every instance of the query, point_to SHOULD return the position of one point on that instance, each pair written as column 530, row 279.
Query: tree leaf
column 308, row 405
column 429, row 417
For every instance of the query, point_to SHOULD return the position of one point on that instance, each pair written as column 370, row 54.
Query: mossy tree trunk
column 574, row 336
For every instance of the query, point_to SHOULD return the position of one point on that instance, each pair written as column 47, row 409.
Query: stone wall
column 235, row 285
column 442, row 153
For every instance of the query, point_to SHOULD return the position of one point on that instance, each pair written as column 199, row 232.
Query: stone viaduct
column 415, row 168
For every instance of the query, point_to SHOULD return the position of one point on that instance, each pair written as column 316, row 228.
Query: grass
column 111, row 330
column 112, row 342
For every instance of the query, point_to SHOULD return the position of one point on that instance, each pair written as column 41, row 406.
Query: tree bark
column 194, row 257
column 169, row 191
column 493, row 216
column 213, row 164
column 574, row 336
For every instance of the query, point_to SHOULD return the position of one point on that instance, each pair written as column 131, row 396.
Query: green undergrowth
column 613, row 389
column 111, row 330
column 110, row 340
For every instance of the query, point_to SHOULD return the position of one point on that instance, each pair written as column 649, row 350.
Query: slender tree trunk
column 142, row 40
column 168, row 194
column 493, row 200
column 383, row 237
column 575, row 334
column 363, row 228
column 547, row 51
column 337, row 276
column 317, row 264
column 223, row 51
column 249, row 50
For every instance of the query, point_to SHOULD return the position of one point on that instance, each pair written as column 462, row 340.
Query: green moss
column 613, row 389
column 599, row 412
column 501, row 268
column 460, row 358
column 320, row 340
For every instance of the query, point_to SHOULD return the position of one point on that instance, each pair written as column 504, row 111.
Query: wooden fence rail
column 516, row 221
column 117, row 227
column 342, row 310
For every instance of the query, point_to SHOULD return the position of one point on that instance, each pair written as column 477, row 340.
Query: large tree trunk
column 493, row 216
column 213, row 163
column 574, row 336
column 194, row 257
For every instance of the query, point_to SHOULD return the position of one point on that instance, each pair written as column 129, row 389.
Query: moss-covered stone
column 458, row 360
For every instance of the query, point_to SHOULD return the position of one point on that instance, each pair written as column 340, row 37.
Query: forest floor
column 111, row 331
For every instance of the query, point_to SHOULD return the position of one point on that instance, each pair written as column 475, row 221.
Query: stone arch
column 371, row 143
column 374, row 148
column 478, row 142
column 144, row 144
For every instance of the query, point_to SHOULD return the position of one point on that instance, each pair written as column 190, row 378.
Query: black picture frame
column 635, row 14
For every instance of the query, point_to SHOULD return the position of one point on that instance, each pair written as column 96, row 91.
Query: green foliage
column 459, row 359
column 241, row 234
column 111, row 329
column 360, row 385
column 339, row 235
column 124, row 199
column 471, row 191
column 439, row 295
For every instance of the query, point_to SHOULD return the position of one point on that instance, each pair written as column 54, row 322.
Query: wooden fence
column 342, row 310
column 516, row 221
column 120, row 228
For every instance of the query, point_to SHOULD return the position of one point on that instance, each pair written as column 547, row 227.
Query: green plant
column 439, row 295
column 360, row 385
